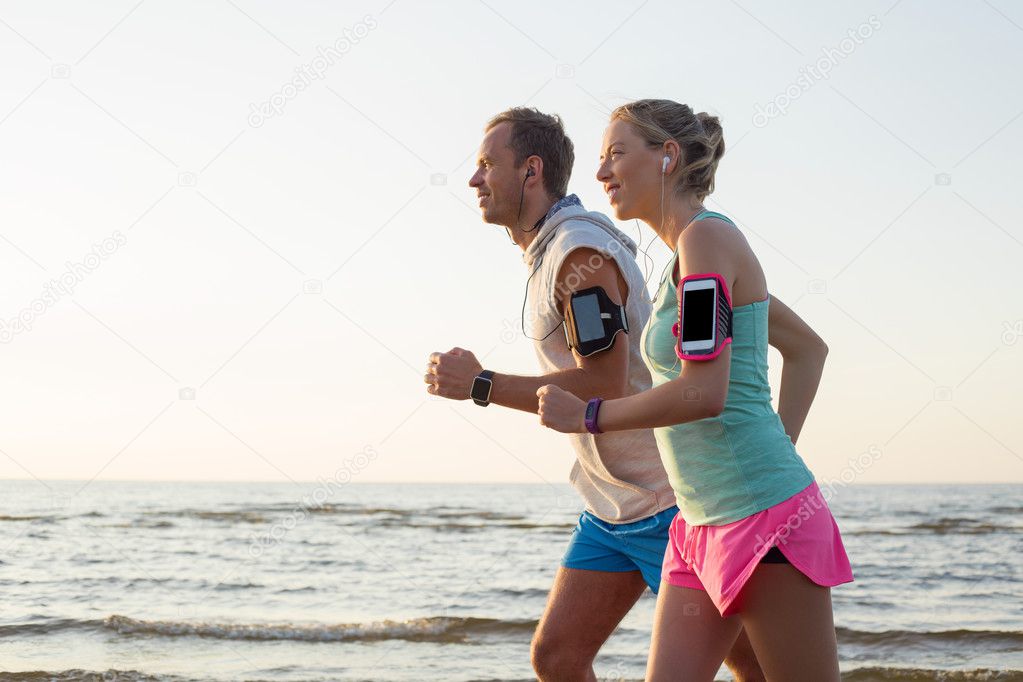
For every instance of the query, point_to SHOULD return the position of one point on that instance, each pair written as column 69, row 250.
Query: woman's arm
column 697, row 393
column 803, row 353
column 700, row 389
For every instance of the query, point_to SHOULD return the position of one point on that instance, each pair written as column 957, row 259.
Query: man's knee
column 555, row 659
column 744, row 666
column 754, row 674
column 742, row 660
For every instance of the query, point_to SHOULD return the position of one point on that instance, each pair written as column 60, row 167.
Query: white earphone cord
column 664, row 170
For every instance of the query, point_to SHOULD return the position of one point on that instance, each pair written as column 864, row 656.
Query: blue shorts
column 597, row 545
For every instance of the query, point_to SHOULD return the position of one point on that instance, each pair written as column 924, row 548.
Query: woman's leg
column 789, row 622
column 690, row 638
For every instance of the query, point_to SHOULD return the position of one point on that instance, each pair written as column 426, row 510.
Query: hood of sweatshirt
column 573, row 212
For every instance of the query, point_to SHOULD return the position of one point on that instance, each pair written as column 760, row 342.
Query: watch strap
column 482, row 385
column 590, row 419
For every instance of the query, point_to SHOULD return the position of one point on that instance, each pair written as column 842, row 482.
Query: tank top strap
column 711, row 214
column 670, row 268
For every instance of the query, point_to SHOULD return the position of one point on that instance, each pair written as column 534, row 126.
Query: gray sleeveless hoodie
column 619, row 474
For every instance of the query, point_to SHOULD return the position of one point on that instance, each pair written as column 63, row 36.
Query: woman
column 754, row 543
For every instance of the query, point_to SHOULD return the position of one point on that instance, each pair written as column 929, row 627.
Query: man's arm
column 602, row 374
column 803, row 353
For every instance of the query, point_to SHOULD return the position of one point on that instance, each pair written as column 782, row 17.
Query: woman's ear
column 674, row 154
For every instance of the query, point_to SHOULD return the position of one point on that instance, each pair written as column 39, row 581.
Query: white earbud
column 664, row 164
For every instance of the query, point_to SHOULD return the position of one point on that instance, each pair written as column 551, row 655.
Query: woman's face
column 630, row 170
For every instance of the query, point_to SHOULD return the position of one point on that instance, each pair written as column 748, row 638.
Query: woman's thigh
column 789, row 622
column 690, row 638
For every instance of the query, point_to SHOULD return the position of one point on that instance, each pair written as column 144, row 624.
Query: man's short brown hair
column 536, row 133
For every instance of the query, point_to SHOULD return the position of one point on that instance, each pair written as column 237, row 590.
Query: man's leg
column 583, row 609
column 742, row 660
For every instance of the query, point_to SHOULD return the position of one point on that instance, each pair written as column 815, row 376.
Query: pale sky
column 295, row 267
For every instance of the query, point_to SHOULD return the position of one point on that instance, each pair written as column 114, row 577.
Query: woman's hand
column 560, row 410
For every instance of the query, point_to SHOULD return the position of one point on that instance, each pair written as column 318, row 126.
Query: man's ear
column 534, row 166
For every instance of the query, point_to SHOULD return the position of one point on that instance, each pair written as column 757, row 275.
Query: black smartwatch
column 481, row 387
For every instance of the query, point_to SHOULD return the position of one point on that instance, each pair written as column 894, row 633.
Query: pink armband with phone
column 705, row 317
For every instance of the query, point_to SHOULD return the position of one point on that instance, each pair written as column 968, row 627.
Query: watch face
column 481, row 389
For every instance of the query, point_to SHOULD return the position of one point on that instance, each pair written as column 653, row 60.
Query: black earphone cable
column 522, row 196
column 525, row 294
column 522, row 317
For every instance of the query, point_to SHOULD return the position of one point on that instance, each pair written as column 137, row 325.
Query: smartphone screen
column 587, row 317
column 698, row 317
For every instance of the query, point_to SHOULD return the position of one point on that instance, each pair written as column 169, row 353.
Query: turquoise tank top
column 740, row 462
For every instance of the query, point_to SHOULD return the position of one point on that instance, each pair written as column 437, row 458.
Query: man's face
column 497, row 181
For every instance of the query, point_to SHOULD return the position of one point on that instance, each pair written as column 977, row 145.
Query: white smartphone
column 699, row 316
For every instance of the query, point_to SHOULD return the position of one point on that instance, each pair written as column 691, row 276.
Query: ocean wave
column 963, row 526
column 276, row 512
column 929, row 675
column 1002, row 509
column 78, row 675
column 273, row 513
column 439, row 518
column 30, row 517
column 527, row 593
column 451, row 629
column 83, row 584
column 956, row 526
column 43, row 627
column 239, row 516
column 877, row 674
column 49, row 518
column 439, row 629
column 143, row 523
column 991, row 640
column 472, row 527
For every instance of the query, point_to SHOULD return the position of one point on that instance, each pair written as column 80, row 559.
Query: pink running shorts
column 721, row 559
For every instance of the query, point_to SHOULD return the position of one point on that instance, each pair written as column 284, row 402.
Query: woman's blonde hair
column 698, row 135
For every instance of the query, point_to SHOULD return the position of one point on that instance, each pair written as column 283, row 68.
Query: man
column 616, row 549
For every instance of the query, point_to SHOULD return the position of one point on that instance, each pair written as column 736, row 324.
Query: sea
column 137, row 581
